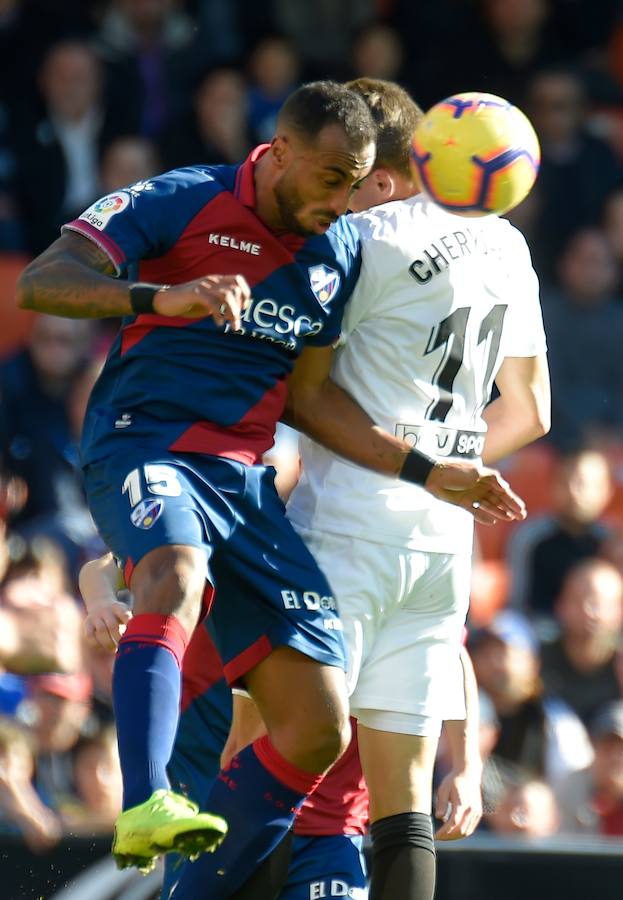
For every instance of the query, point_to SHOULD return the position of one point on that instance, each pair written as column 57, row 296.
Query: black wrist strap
column 416, row 467
column 142, row 297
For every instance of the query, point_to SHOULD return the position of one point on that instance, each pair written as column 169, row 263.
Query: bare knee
column 313, row 745
column 170, row 581
column 304, row 705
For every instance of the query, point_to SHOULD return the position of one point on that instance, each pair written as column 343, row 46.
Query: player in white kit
column 445, row 307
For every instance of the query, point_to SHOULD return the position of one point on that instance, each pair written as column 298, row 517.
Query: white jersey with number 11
column 440, row 302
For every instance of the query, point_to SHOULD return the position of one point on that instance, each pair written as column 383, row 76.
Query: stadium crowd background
column 95, row 95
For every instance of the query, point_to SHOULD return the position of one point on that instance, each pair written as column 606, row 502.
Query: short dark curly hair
column 396, row 115
column 320, row 103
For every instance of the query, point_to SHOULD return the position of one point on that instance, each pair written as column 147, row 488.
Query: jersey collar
column 244, row 189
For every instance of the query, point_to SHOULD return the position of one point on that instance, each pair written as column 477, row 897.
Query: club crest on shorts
column 325, row 282
column 146, row 513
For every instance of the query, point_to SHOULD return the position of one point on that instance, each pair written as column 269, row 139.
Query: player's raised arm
column 74, row 278
column 329, row 415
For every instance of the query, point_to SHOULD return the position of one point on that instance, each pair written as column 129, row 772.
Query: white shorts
column 403, row 613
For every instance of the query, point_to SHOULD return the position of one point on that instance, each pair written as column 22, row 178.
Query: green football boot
column 166, row 823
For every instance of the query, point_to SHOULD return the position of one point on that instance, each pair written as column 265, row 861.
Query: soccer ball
column 476, row 154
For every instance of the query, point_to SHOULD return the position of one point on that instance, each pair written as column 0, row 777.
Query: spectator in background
column 583, row 318
column 127, row 160
column 592, row 799
column 222, row 37
column 98, row 787
column 525, row 810
column 322, row 31
column 58, row 156
column 57, row 712
column 36, row 573
column 611, row 549
column 27, row 31
column 37, row 442
column 539, row 737
column 516, row 39
column 378, row 52
column 21, row 808
column 509, row 40
column 153, row 58
column 430, row 74
column 274, row 72
column 218, row 131
column 40, row 623
column 39, row 637
column 613, row 228
column 542, row 550
column 578, row 170
column 579, row 666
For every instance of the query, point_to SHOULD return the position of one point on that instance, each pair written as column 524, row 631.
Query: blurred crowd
column 99, row 94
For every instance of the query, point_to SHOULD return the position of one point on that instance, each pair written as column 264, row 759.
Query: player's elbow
column 538, row 420
column 300, row 410
column 25, row 289
column 34, row 282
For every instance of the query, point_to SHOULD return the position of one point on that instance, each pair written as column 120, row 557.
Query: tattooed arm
column 72, row 278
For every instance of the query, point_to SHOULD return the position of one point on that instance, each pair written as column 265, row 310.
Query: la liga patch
column 146, row 513
column 103, row 210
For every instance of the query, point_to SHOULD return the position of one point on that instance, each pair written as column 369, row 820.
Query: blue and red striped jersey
column 187, row 384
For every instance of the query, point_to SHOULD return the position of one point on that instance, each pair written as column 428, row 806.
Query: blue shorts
column 320, row 867
column 325, row 867
column 269, row 589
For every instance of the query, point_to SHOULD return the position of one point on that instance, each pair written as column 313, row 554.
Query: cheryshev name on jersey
column 433, row 260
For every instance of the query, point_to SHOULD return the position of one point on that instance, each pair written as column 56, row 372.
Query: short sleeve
column 345, row 268
column 144, row 220
column 367, row 288
column 524, row 334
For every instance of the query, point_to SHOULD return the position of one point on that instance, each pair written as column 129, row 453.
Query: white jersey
column 440, row 302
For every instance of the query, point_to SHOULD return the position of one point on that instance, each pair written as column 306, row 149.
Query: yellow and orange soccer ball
column 476, row 154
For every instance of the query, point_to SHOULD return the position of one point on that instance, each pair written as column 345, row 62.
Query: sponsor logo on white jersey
column 325, row 282
column 226, row 240
column 101, row 212
column 440, row 440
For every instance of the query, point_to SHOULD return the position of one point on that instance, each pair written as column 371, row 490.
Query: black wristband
column 416, row 468
column 142, row 297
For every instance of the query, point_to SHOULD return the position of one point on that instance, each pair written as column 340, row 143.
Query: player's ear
column 384, row 183
column 280, row 150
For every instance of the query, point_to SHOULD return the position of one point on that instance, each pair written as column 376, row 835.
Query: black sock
column 270, row 877
column 403, row 858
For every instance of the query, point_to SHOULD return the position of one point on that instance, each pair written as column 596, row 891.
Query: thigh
column 325, row 867
column 365, row 583
column 414, row 665
column 398, row 769
column 147, row 499
column 295, row 693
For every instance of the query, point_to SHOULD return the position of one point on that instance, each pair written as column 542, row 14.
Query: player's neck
column 403, row 188
column 266, row 206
